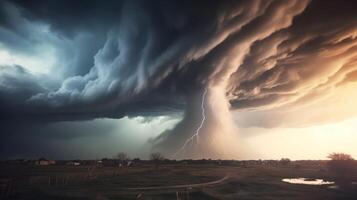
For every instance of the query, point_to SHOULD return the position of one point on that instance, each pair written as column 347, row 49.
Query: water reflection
column 333, row 187
column 307, row 181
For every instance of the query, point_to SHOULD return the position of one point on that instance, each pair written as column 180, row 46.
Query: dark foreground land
column 170, row 181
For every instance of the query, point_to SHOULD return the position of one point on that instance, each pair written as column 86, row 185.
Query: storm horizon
column 189, row 79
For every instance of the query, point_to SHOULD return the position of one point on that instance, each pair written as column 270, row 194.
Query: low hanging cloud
column 148, row 58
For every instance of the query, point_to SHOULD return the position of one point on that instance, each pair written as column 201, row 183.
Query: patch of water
column 307, row 181
column 333, row 187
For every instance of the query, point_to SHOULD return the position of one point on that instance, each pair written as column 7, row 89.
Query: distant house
column 73, row 163
column 44, row 162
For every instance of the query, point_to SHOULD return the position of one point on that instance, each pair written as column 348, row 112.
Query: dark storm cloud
column 317, row 52
column 69, row 18
column 17, row 85
column 144, row 43
column 117, row 58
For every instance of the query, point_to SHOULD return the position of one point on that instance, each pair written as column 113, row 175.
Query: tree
column 157, row 158
column 122, row 157
column 284, row 161
column 339, row 156
column 341, row 165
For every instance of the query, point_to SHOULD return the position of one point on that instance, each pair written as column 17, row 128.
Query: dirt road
column 177, row 186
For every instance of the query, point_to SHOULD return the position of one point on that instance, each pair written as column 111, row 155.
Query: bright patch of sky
column 129, row 135
column 315, row 142
column 41, row 63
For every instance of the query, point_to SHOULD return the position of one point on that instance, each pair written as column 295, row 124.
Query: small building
column 73, row 163
column 44, row 162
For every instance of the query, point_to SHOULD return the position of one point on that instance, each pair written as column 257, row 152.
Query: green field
column 169, row 181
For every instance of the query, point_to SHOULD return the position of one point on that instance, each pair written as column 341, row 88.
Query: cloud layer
column 63, row 61
column 114, row 59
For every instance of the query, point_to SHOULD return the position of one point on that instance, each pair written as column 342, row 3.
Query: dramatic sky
column 191, row 79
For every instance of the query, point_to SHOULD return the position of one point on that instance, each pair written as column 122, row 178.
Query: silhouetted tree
column 284, row 161
column 157, row 159
column 339, row 156
column 341, row 164
column 122, row 157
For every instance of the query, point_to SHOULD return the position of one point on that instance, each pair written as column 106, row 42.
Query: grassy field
column 243, row 182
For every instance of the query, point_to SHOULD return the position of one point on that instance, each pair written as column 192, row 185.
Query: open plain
column 215, row 180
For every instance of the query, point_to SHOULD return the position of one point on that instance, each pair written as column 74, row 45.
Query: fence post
column 9, row 188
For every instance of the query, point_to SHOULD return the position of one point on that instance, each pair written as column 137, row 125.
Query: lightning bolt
column 197, row 132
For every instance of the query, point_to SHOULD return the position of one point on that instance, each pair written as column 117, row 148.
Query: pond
column 307, row 181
